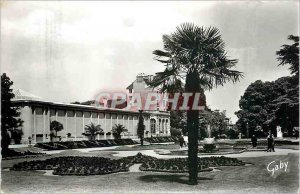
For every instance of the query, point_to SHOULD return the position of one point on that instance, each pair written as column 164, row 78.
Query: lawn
column 252, row 179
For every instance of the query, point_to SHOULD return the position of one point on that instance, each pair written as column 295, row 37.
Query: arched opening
column 153, row 126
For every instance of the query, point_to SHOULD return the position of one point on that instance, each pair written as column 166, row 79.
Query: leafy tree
column 117, row 130
column 232, row 133
column 289, row 54
column 175, row 131
column 268, row 104
column 141, row 128
column 17, row 134
column 178, row 120
column 216, row 120
column 56, row 126
column 196, row 56
column 92, row 130
column 9, row 113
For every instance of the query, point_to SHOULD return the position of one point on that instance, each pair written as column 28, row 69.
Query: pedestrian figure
column 254, row 141
column 181, row 141
column 29, row 141
column 271, row 143
column 186, row 140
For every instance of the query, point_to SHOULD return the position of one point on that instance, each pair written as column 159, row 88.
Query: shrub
column 208, row 148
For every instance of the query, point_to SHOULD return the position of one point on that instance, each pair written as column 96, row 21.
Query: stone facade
column 37, row 115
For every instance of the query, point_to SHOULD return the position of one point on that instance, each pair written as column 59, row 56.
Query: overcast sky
column 71, row 50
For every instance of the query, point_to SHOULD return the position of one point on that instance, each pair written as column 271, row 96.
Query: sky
column 71, row 50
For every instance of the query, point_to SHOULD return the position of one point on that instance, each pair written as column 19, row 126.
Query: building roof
column 25, row 98
column 23, row 95
column 130, row 87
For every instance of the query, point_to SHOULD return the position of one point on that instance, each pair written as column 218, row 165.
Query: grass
column 252, row 179
column 247, row 179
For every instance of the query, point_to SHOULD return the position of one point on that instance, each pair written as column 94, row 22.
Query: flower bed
column 83, row 144
column 161, row 139
column 83, row 166
column 14, row 154
column 180, row 165
column 80, row 166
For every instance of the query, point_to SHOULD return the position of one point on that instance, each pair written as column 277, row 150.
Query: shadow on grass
column 182, row 179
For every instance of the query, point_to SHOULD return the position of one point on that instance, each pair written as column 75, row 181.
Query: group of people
column 270, row 142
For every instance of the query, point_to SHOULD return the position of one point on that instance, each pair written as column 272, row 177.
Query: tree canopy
column 117, row 130
column 289, row 54
column 268, row 104
column 92, row 130
column 216, row 120
column 56, row 126
column 9, row 113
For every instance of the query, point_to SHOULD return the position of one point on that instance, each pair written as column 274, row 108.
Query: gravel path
column 278, row 152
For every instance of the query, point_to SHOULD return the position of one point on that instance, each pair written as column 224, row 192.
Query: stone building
column 159, row 116
column 38, row 113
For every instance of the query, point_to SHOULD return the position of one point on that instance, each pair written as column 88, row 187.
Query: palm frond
column 192, row 48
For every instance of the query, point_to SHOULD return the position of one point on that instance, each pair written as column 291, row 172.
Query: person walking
column 271, row 143
column 254, row 141
column 269, row 140
column 181, row 141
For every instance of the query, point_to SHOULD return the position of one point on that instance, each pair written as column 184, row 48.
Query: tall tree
column 268, row 104
column 9, row 113
column 141, row 127
column 289, row 54
column 197, row 57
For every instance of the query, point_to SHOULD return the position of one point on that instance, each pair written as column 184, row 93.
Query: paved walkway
column 240, row 155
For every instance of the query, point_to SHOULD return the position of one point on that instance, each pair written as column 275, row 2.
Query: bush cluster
column 84, row 144
column 12, row 153
column 162, row 139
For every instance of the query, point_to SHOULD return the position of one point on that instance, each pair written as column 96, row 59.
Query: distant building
column 159, row 116
column 38, row 113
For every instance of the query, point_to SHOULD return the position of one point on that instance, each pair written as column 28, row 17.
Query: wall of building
column 37, row 119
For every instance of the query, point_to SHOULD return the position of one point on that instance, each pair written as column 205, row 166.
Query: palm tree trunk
column 192, row 86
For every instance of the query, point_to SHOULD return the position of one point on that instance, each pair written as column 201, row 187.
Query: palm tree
column 195, row 56
column 289, row 54
column 117, row 130
column 92, row 130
